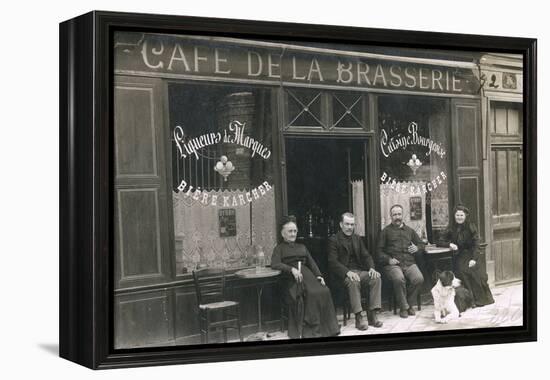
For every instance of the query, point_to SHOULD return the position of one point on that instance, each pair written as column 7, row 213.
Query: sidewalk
column 506, row 311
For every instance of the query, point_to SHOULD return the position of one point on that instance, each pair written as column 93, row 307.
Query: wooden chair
column 340, row 298
column 213, row 309
column 393, row 302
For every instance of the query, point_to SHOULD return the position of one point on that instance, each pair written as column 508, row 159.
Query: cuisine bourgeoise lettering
column 388, row 145
column 279, row 65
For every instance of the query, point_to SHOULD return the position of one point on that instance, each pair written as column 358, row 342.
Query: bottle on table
column 260, row 259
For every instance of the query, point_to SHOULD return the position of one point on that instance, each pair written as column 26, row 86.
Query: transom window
column 322, row 110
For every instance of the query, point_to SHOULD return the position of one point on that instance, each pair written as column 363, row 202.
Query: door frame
column 369, row 190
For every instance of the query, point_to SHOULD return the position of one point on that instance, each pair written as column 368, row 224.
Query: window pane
column 222, row 168
column 347, row 110
column 304, row 108
column 508, row 118
column 415, row 162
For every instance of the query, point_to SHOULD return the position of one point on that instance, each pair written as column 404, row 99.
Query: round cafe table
column 441, row 258
column 258, row 274
column 435, row 250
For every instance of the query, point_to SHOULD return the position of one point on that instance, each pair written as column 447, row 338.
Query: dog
column 444, row 294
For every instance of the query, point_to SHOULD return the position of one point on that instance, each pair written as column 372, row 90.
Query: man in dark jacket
column 397, row 247
column 351, row 264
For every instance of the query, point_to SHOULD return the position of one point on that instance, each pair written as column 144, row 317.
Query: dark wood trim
column 169, row 180
column 182, row 280
column 281, row 162
column 277, row 149
column 373, row 149
column 373, row 173
column 325, row 135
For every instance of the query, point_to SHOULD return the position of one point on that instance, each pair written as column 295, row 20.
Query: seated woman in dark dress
column 311, row 311
column 462, row 237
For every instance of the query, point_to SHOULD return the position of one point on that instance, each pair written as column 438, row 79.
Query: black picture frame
column 86, row 184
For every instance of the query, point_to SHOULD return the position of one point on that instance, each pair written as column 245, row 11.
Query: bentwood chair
column 213, row 309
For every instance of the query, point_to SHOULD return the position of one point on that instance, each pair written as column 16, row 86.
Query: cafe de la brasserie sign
column 280, row 63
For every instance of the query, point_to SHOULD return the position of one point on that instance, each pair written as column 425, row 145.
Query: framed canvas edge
column 85, row 189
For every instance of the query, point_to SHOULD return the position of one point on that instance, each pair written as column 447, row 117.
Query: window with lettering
column 415, row 161
column 222, row 173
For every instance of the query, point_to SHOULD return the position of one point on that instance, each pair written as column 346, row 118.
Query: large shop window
column 222, row 171
column 415, row 162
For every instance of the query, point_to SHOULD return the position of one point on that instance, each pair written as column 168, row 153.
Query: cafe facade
column 217, row 138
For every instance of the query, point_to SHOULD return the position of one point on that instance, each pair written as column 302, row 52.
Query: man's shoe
column 372, row 317
column 403, row 313
column 359, row 323
column 410, row 311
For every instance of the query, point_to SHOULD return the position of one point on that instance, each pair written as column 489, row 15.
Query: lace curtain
column 198, row 241
column 359, row 206
column 399, row 193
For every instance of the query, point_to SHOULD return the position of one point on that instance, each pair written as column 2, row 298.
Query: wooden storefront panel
column 142, row 215
column 506, row 214
column 143, row 319
column 186, row 321
column 466, row 133
column 506, row 163
column 140, row 248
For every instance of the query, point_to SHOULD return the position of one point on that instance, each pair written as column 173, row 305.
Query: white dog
column 443, row 294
